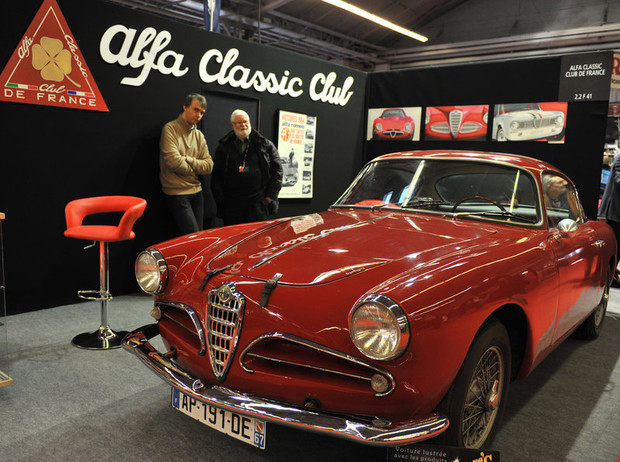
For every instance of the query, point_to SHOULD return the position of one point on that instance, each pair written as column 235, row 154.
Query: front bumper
column 137, row 342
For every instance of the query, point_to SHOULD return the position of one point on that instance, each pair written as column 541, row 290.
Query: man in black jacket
column 247, row 174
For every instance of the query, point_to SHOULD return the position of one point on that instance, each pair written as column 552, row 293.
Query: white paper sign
column 296, row 141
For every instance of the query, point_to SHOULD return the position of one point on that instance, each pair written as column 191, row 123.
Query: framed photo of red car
column 394, row 124
column 456, row 123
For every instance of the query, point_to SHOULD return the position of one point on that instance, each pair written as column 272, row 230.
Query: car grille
column 536, row 123
column 393, row 133
column 180, row 319
column 470, row 127
column 456, row 117
column 225, row 307
column 286, row 355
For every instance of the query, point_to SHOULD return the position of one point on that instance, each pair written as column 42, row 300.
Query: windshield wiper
column 493, row 214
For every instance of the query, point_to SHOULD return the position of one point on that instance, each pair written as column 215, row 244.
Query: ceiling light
column 371, row 17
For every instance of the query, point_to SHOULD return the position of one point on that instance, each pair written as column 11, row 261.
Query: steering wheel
column 493, row 201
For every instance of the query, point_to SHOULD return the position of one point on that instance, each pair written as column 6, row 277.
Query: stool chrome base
column 102, row 339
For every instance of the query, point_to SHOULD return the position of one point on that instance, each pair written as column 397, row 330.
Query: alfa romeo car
column 400, row 314
column 456, row 122
column 519, row 122
column 393, row 123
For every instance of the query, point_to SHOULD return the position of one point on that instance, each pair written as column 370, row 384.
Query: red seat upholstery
column 77, row 210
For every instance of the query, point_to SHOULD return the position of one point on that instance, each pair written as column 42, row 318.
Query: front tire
column 477, row 397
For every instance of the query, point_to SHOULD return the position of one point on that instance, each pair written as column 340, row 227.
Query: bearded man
column 247, row 174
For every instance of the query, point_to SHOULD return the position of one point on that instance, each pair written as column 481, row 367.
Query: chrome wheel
column 477, row 397
column 483, row 397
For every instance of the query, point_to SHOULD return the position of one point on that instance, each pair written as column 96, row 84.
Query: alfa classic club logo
column 47, row 67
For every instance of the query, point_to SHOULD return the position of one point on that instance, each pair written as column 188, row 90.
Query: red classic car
column 394, row 124
column 456, row 122
column 400, row 314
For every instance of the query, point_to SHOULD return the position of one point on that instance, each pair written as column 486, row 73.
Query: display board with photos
column 530, row 121
column 296, row 145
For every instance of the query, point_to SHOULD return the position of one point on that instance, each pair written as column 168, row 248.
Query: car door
column 577, row 258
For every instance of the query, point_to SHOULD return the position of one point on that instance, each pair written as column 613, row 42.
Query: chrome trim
column 260, row 231
column 320, row 236
column 225, row 310
column 456, row 119
column 351, row 428
column 322, row 349
column 193, row 317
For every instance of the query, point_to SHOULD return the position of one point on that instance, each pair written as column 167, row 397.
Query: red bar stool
column 75, row 212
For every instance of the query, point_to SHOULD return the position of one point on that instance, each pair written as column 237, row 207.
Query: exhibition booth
column 102, row 137
column 141, row 67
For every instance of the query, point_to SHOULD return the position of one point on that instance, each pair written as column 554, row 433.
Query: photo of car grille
column 225, row 307
column 456, row 117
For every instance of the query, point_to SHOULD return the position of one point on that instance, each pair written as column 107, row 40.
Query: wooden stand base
column 5, row 379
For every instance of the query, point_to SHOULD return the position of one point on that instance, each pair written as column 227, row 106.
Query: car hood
column 325, row 247
column 533, row 114
column 394, row 119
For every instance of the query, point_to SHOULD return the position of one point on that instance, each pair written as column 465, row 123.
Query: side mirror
column 567, row 226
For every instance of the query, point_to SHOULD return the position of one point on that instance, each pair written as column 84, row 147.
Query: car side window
column 560, row 200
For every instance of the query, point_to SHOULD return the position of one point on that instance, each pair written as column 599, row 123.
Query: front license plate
column 241, row 427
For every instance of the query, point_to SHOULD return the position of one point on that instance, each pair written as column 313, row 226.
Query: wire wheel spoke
column 483, row 396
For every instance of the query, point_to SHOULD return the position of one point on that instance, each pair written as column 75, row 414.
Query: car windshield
column 393, row 113
column 459, row 188
column 519, row 107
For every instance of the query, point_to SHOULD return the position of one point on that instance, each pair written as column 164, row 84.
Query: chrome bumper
column 137, row 342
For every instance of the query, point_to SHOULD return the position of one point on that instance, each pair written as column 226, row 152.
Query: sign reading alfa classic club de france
column 48, row 68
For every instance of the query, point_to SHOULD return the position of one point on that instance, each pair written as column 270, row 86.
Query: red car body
column 456, row 122
column 394, row 124
column 451, row 266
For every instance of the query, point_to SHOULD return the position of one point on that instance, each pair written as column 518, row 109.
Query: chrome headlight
column 379, row 328
column 151, row 271
column 379, row 127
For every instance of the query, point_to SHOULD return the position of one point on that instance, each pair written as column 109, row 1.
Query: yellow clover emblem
column 52, row 60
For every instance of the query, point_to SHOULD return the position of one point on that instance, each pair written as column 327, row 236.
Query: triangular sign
column 48, row 68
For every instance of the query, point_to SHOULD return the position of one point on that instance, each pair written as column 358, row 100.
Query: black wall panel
column 53, row 155
column 517, row 81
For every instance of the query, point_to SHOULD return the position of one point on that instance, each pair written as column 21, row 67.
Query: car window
column 560, row 199
column 393, row 113
column 466, row 188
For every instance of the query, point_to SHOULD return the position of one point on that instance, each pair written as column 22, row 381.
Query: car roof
column 514, row 159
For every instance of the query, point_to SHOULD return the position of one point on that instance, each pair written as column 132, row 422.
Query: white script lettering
column 242, row 77
column 142, row 56
column 329, row 93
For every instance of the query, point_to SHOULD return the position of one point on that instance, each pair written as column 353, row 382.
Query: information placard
column 585, row 77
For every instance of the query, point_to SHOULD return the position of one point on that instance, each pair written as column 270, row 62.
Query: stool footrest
column 94, row 294
column 102, row 339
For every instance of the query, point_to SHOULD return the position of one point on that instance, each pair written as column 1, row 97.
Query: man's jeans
column 187, row 211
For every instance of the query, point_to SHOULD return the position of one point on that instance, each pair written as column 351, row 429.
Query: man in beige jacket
column 184, row 158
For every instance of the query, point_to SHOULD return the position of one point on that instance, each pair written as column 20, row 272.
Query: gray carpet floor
column 68, row 404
